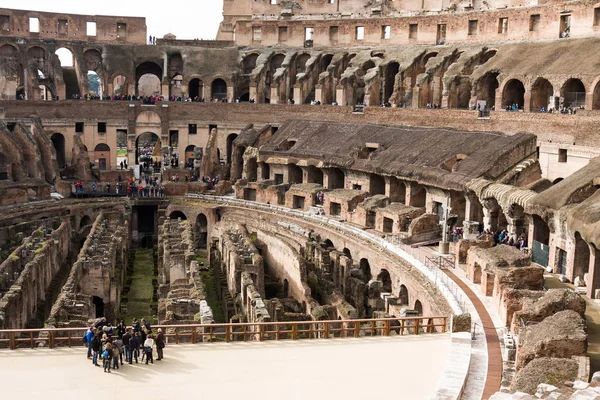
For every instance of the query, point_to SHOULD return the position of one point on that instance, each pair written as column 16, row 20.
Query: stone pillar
column 527, row 101
column 490, row 215
column 252, row 94
column 319, row 93
column 274, row 95
column 498, row 96
column 589, row 103
column 416, row 94
column 340, row 96
column 437, row 88
column 298, row 94
column 229, row 94
column 471, row 211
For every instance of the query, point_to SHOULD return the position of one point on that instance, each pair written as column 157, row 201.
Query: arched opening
column 390, row 80
column 301, row 61
column 230, row 140
column 58, row 141
column 189, row 156
column 148, row 78
column 328, row 245
column 178, row 215
column 99, row 306
column 365, row 270
column 249, row 63
column 513, row 94
column 102, row 156
column 85, row 221
column 251, row 169
column 403, row 295
column 202, row 230
column 120, row 86
column 418, row 195
column 541, row 239
column 347, row 252
column 542, row 95
column 384, row 277
column 219, row 90
column 376, row 185
column 265, row 171
column 3, row 167
column 95, row 83
column 581, row 258
column 314, row 175
column 460, row 90
column 486, row 89
column 573, row 92
column 9, row 58
column 418, row 307
column 196, row 89
column 146, row 148
column 65, row 56
column 336, row 179
column 557, row 180
column 294, row 174
column 286, row 288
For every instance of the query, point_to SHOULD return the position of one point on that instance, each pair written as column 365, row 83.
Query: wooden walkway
column 494, row 368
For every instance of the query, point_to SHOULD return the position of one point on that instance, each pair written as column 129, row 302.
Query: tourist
column 134, row 346
column 117, row 353
column 106, row 356
column 96, row 348
column 126, row 340
column 101, row 323
column 148, row 344
column 160, row 344
column 89, row 336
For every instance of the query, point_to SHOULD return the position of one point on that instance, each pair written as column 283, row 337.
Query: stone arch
column 175, row 65
column 196, row 88
column 486, row 88
column 58, row 141
column 176, row 214
column 277, row 60
column 202, row 230
column 249, row 63
column 301, row 60
column 102, row 156
column 145, row 142
column 148, row 117
column 151, row 85
column 418, row 307
column 325, row 61
column 365, row 269
column 573, row 92
column 93, row 59
column 218, row 89
column 295, row 174
column 513, row 93
column 314, row 175
column 229, row 146
column 460, row 93
column 403, row 295
column 596, row 94
column 376, row 185
column 385, row 278
column 347, row 252
column 541, row 92
column 336, row 179
column 391, row 71
column 581, row 257
column 286, row 288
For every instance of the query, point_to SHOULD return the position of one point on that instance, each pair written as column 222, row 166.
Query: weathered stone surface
column 552, row 371
column 562, row 335
column 462, row 323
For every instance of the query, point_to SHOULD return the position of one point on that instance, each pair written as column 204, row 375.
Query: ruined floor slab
column 325, row 369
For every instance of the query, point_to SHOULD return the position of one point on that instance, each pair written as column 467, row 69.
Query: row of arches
column 200, row 227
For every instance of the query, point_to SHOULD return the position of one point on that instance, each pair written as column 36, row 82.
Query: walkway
column 139, row 298
column 406, row 367
column 494, row 367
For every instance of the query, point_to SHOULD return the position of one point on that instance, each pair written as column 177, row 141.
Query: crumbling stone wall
column 26, row 276
column 98, row 272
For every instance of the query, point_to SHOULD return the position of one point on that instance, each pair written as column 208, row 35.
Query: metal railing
column 241, row 332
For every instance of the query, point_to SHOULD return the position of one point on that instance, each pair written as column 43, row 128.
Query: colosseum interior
column 417, row 181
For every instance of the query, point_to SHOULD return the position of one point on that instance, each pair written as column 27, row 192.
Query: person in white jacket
column 148, row 344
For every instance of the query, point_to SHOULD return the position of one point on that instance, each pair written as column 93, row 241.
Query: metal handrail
column 248, row 331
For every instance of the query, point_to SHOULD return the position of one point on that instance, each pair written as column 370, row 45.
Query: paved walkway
column 494, row 367
column 406, row 367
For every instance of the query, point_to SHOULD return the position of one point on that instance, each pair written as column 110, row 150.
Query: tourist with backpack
column 148, row 344
column 107, row 356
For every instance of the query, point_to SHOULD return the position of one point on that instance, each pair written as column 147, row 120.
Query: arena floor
column 367, row 368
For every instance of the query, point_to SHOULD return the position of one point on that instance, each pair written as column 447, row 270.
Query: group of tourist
column 109, row 343
column 152, row 188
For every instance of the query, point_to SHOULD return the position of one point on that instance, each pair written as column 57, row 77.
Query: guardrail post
column 386, row 330
column 194, row 335
column 417, row 323
column 294, row 331
column 261, row 330
column 326, row 330
column 51, row 339
column 228, row 333
column 12, row 342
column 356, row 329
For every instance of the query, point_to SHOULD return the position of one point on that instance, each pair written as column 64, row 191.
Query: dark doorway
column 58, row 141
column 99, row 305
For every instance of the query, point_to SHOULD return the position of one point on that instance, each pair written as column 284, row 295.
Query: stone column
column 298, row 94
column 527, row 101
column 593, row 275
column 253, row 92
column 340, row 96
column 490, row 215
column 319, row 93
column 274, row 95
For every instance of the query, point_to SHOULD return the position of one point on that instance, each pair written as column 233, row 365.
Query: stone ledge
column 452, row 383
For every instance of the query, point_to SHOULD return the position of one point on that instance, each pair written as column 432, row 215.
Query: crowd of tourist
column 108, row 344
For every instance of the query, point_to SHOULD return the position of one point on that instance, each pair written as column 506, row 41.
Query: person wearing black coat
column 134, row 346
column 96, row 348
